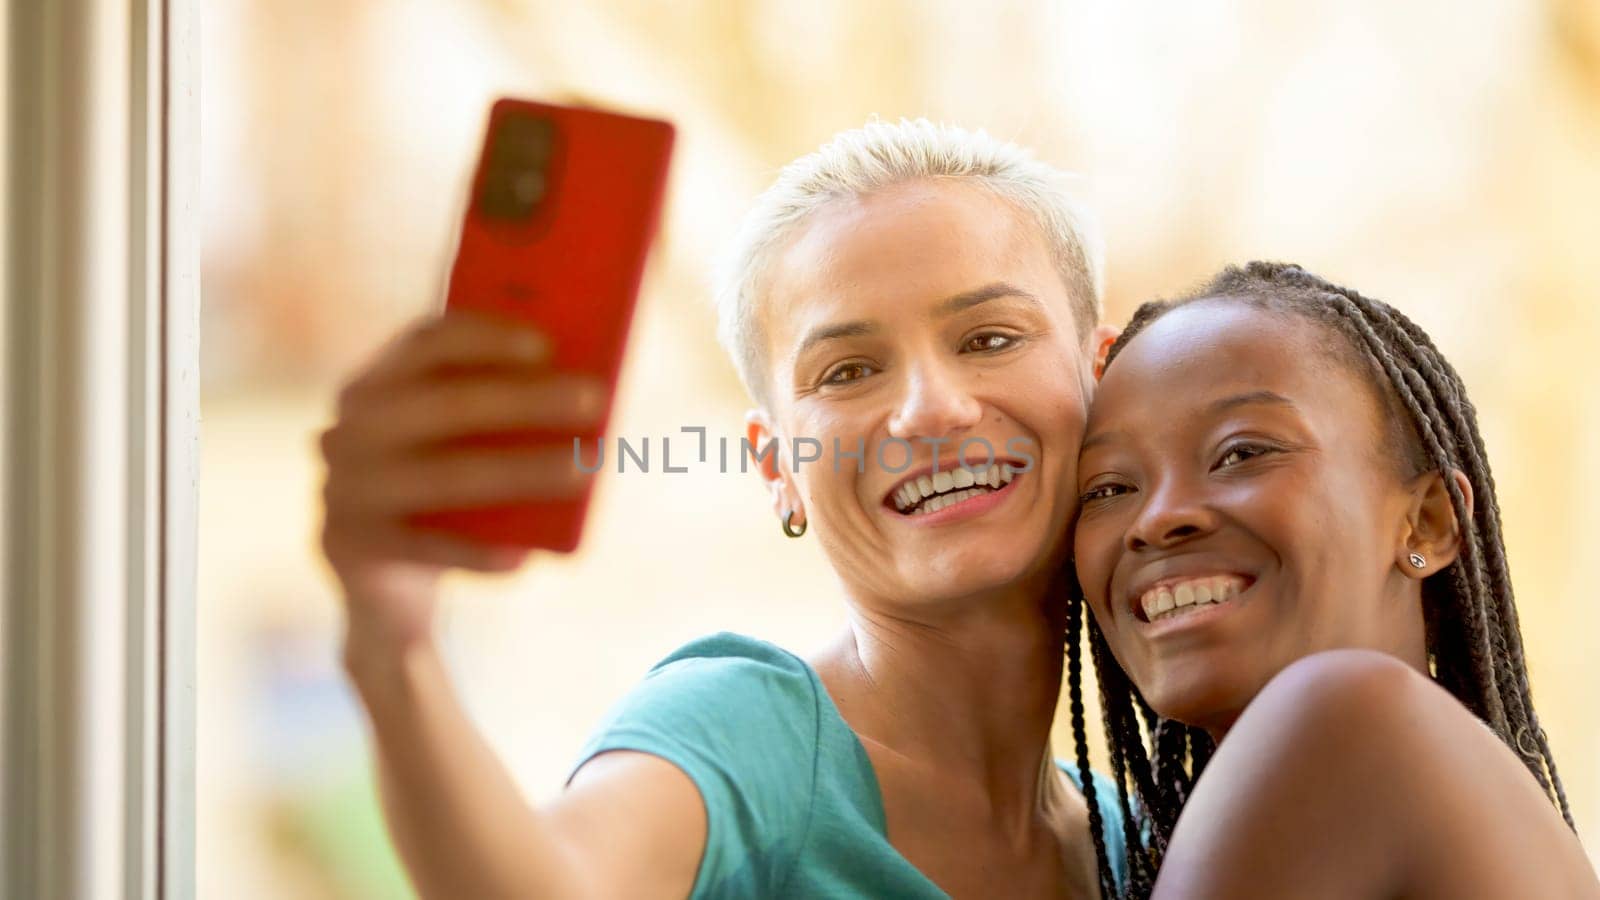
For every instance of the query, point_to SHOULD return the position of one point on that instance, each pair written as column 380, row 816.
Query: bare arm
column 630, row 824
column 1353, row 776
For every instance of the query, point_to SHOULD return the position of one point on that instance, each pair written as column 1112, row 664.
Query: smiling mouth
column 1179, row 597
column 930, row 493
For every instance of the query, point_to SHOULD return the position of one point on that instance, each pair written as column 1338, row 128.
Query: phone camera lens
column 528, row 187
column 515, row 180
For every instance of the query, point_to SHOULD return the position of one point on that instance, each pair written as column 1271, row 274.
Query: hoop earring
column 1522, row 734
column 788, row 529
column 1417, row 561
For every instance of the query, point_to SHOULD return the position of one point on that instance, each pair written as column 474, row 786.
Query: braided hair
column 1473, row 640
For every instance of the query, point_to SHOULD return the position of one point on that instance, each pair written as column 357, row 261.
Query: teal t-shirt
column 793, row 807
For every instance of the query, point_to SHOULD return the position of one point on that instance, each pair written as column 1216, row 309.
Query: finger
column 458, row 479
column 458, row 339
column 438, row 548
column 440, row 409
column 399, row 543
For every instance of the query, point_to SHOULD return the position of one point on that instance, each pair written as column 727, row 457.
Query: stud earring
column 1417, row 561
column 788, row 529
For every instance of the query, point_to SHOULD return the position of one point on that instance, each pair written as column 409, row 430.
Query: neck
column 968, row 691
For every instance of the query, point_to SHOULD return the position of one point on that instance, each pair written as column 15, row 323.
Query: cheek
column 1050, row 403
column 1306, row 516
column 1340, row 537
column 1094, row 550
column 1054, row 385
column 1314, row 530
column 830, row 482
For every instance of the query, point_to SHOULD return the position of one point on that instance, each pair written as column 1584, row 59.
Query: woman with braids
column 1290, row 545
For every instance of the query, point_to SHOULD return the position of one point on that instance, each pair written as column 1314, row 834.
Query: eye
column 1239, row 453
column 988, row 342
column 1102, row 492
column 848, row 373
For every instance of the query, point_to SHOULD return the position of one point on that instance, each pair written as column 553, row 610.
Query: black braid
column 1080, row 739
column 1114, row 705
column 1474, row 638
column 1436, row 380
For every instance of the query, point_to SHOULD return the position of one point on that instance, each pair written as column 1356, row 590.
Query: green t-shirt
column 793, row 807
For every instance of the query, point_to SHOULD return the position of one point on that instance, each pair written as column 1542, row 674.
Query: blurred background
column 1439, row 155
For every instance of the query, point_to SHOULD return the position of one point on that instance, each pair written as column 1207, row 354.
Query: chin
column 956, row 575
column 1199, row 694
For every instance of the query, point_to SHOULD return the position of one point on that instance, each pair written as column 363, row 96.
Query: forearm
column 458, row 819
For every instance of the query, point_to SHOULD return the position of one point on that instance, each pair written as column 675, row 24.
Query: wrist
column 378, row 658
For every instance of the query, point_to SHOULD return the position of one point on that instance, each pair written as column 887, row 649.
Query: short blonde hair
column 878, row 155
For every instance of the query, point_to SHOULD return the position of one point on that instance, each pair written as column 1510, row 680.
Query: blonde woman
column 918, row 290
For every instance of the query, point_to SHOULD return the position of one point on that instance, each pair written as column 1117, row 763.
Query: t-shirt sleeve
column 740, row 718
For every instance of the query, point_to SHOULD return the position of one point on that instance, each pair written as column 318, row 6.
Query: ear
column 766, row 450
column 1432, row 530
column 1101, row 340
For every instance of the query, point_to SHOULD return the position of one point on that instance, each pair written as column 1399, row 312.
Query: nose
column 937, row 402
column 1173, row 512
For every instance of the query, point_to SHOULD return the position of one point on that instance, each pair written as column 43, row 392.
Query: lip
column 1165, row 573
column 974, row 463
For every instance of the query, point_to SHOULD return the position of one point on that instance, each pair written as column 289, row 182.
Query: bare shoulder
column 1408, row 793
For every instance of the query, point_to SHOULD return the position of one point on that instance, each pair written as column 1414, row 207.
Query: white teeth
column 931, row 493
column 934, row 504
column 1183, row 594
column 1156, row 602
column 1191, row 593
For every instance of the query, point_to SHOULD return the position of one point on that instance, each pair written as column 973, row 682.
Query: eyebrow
column 1247, row 399
column 834, row 332
column 968, row 299
column 946, row 307
column 1226, row 403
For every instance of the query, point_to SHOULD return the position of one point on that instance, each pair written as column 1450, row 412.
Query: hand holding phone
column 394, row 452
column 565, row 203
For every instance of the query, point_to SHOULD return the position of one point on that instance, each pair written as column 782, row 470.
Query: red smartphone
column 565, row 202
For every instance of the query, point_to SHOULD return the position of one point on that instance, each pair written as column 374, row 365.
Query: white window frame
column 101, row 441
